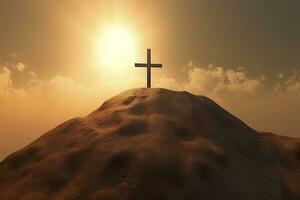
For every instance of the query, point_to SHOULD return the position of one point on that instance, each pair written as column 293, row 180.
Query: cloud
column 5, row 80
column 217, row 82
column 12, row 55
column 231, row 84
column 288, row 84
column 32, row 74
column 167, row 83
column 280, row 75
column 20, row 66
column 15, row 55
column 293, row 84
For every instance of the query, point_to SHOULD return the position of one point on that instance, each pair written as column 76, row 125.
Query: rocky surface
column 154, row 144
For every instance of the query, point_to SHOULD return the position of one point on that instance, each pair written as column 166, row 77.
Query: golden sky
column 62, row 58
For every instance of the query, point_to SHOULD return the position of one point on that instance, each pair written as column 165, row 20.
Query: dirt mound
column 154, row 144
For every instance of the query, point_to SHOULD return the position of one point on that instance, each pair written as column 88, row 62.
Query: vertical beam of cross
column 148, row 68
column 149, row 65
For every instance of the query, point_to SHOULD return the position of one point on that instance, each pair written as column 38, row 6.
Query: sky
column 62, row 58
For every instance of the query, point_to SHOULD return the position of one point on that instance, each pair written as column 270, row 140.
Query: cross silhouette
column 149, row 65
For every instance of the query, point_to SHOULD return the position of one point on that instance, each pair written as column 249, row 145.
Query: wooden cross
column 149, row 65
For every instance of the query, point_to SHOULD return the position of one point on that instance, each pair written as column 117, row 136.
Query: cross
column 149, row 65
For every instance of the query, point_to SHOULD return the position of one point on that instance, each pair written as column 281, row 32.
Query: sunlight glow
column 115, row 49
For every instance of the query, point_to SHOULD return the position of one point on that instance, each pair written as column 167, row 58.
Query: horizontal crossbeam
column 140, row 65
column 145, row 65
column 156, row 65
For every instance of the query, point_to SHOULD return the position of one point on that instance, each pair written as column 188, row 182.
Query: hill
column 147, row 144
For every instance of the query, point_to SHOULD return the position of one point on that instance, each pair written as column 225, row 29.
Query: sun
column 115, row 49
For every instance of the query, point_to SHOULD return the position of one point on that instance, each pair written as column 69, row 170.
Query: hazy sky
column 243, row 54
column 228, row 33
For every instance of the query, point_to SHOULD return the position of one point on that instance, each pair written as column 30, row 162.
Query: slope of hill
column 147, row 144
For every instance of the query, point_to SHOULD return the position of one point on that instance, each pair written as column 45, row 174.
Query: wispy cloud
column 20, row 66
column 15, row 55
column 217, row 81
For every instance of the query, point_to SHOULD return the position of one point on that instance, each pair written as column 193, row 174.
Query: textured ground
column 149, row 144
